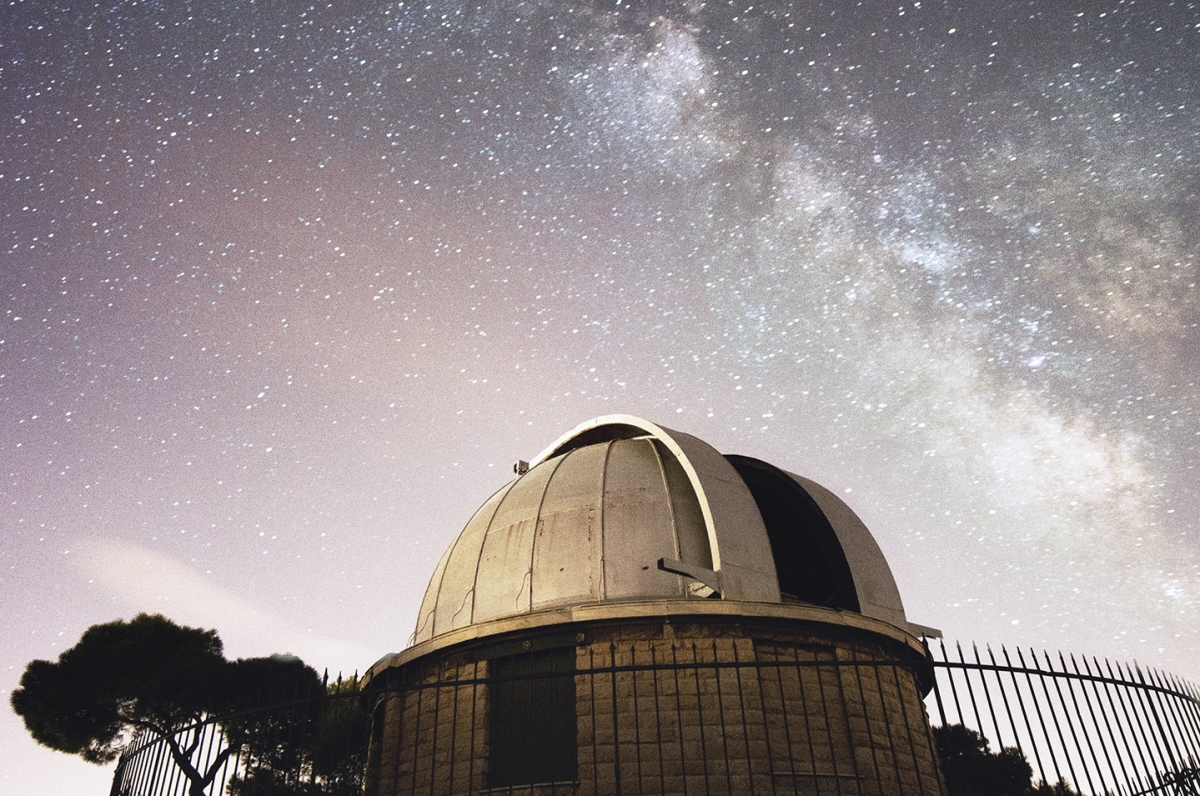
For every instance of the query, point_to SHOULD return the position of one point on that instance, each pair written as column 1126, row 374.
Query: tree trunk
column 197, row 783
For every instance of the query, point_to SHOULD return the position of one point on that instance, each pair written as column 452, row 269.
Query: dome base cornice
column 692, row 610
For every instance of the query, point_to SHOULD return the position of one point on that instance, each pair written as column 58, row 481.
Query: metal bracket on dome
column 708, row 582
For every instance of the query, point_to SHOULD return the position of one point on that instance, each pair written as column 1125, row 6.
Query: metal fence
column 309, row 741
column 1100, row 727
column 1081, row 725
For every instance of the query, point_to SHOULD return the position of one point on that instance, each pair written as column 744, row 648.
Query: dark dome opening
column 809, row 560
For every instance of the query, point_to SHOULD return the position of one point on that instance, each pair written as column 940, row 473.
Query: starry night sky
column 285, row 289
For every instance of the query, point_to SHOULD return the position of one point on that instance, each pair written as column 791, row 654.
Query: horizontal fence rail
column 1082, row 726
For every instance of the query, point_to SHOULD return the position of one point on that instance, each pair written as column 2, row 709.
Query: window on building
column 532, row 718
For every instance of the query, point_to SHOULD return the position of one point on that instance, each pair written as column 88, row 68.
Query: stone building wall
column 685, row 708
column 731, row 710
column 431, row 735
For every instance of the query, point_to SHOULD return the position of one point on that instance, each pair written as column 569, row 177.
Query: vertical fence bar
column 126, row 778
column 146, row 770
column 737, row 670
column 987, row 693
column 1153, row 700
column 637, row 719
column 437, row 724
column 1054, row 714
column 1024, row 712
column 908, row 729
column 1189, row 702
column 1012, row 724
column 225, row 770
column 163, row 759
column 700, row 720
column 162, row 762
column 592, row 711
column 453, row 765
column 1127, row 755
column 1189, row 709
column 716, row 674
column 1151, row 726
column 1087, row 736
column 416, row 742
column 866, row 710
column 970, row 691
column 888, row 731
column 176, row 772
column 402, row 700
column 937, row 692
column 958, row 714
column 612, row 663
column 1171, row 726
column 473, row 742
column 209, row 739
column 171, row 786
column 1143, row 749
column 837, row 776
column 658, row 721
column 1174, row 707
column 766, row 722
column 679, row 717
column 787, row 725
column 1037, row 706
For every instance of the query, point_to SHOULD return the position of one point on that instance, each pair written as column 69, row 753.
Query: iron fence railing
column 1099, row 726
column 1083, row 726
column 308, row 742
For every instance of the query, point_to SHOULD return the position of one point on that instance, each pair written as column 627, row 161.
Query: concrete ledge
column 615, row 611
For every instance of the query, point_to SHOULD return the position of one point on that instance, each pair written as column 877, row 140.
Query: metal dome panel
column 502, row 581
column 639, row 526
column 453, row 596
column 568, row 549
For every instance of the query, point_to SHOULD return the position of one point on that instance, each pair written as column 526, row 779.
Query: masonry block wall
column 703, row 707
column 430, row 735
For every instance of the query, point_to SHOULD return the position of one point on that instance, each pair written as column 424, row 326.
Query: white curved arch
column 563, row 444
column 744, row 562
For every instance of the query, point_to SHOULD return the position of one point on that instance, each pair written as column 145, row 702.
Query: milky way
column 287, row 289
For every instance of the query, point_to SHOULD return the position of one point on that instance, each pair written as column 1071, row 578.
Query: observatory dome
column 621, row 510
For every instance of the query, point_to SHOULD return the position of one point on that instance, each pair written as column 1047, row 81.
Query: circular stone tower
column 638, row 613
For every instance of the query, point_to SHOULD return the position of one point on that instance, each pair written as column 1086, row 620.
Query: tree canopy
column 150, row 675
column 971, row 769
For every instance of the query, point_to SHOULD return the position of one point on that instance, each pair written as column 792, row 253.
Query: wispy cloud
column 145, row 580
